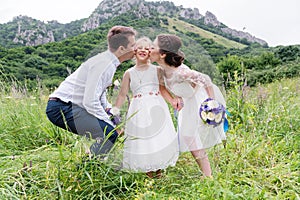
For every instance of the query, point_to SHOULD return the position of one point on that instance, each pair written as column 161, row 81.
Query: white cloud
column 63, row 11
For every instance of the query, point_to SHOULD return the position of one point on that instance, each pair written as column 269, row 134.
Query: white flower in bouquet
column 204, row 115
column 219, row 117
column 116, row 83
column 213, row 104
column 115, row 111
column 211, row 116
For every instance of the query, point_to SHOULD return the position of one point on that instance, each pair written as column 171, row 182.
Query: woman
column 194, row 88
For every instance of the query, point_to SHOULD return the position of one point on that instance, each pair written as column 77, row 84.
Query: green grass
column 260, row 161
column 186, row 27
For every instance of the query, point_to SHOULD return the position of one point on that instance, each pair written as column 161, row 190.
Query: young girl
column 193, row 87
column 151, row 140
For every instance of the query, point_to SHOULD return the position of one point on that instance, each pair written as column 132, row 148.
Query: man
column 79, row 103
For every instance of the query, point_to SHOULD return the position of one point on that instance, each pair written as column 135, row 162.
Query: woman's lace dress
column 193, row 133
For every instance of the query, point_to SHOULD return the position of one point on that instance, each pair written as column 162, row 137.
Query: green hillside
column 186, row 27
column 214, row 55
column 51, row 62
column 26, row 31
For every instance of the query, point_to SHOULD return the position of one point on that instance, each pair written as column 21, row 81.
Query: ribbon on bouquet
column 226, row 123
column 178, row 136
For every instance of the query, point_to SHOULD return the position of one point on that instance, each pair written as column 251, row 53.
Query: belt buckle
column 53, row 99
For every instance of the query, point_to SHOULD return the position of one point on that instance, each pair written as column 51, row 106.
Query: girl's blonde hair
column 143, row 39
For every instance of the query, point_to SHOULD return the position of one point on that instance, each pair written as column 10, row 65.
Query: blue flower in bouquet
column 212, row 112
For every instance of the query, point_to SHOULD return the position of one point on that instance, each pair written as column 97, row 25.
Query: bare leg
column 202, row 161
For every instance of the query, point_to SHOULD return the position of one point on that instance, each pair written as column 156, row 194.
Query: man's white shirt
column 85, row 86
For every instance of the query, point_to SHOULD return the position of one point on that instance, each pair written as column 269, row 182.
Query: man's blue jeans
column 73, row 118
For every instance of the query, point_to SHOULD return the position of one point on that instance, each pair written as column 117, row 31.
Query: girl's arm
column 123, row 91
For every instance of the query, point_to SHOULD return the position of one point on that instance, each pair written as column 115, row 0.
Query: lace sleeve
column 160, row 75
column 195, row 77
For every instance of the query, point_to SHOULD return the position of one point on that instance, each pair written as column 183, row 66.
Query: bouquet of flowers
column 212, row 112
column 114, row 114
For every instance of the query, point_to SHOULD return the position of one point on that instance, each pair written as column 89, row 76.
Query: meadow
column 260, row 160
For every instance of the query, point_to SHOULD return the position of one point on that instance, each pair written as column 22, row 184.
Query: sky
column 275, row 21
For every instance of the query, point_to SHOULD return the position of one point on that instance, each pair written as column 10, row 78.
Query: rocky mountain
column 32, row 37
column 25, row 31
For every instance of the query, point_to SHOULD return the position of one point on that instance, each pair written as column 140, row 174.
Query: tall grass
column 260, row 161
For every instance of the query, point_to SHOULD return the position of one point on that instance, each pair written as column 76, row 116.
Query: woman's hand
column 177, row 103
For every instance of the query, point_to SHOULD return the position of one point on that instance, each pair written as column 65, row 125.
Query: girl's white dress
column 193, row 133
column 151, row 140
